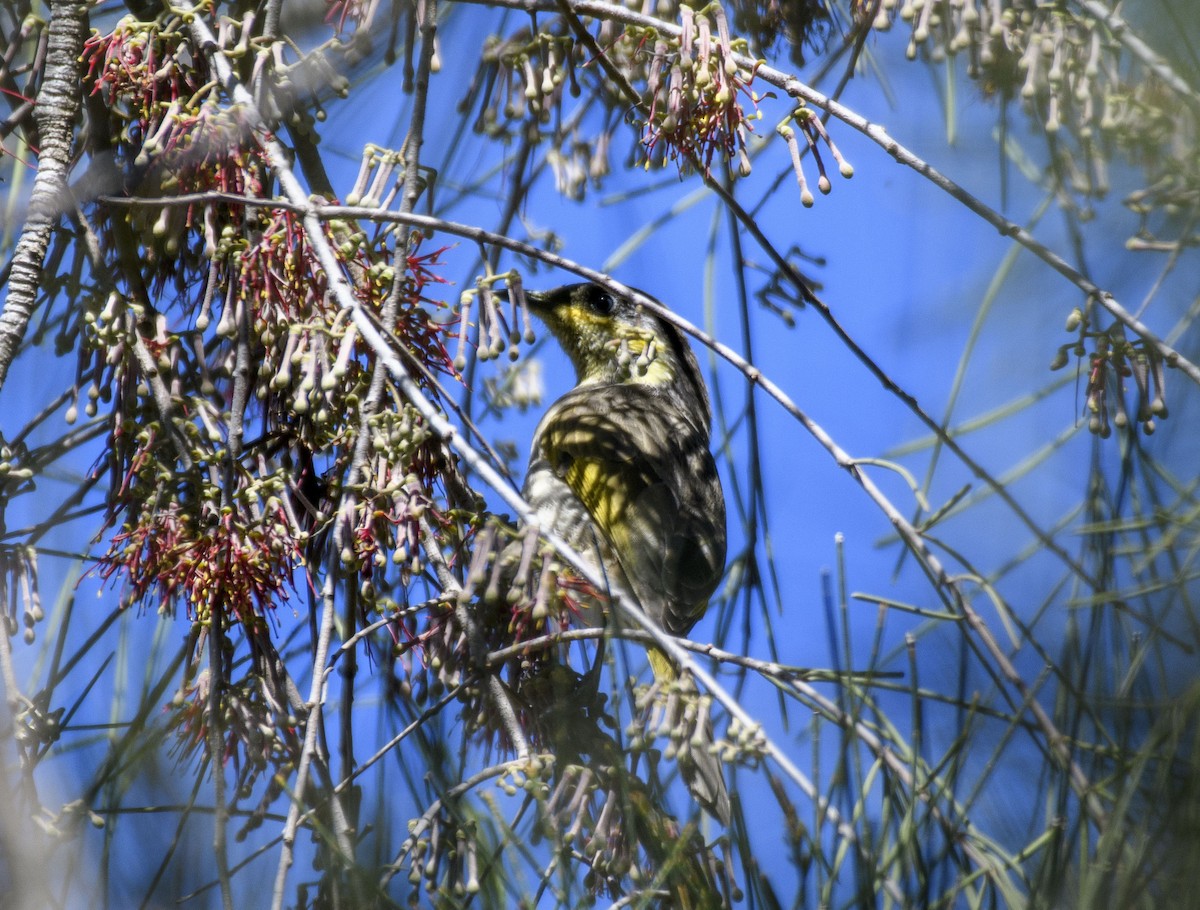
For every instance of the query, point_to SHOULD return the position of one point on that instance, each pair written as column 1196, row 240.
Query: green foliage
column 306, row 649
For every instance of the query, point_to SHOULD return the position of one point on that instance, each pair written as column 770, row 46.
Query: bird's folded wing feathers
column 643, row 471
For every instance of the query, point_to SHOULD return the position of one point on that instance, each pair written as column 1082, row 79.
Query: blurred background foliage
column 938, row 258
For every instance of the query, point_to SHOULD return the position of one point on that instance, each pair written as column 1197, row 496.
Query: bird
column 620, row 468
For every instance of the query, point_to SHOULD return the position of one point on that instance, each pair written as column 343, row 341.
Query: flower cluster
column 696, row 105
column 696, row 87
column 19, row 589
column 520, row 87
column 621, row 835
column 229, row 561
column 239, row 403
column 443, row 857
column 395, row 499
column 1113, row 362
column 522, row 78
column 814, row 132
column 138, row 71
column 692, row 108
column 1073, row 73
column 310, row 374
column 1161, row 135
column 171, row 136
column 500, row 329
column 259, row 733
column 596, row 814
column 801, row 23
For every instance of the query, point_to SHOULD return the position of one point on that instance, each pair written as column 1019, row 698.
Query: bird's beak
column 542, row 302
column 533, row 298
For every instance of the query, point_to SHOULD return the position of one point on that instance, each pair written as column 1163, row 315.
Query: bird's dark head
column 609, row 339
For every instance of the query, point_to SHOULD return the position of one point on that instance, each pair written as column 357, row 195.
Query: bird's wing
column 642, row 469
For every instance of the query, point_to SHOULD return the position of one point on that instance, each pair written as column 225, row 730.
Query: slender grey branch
column 216, row 753
column 423, row 823
column 375, row 393
column 55, row 113
column 769, row 668
column 253, row 119
column 479, row 656
column 1135, row 45
column 879, row 135
column 339, row 289
column 316, row 699
column 912, row 538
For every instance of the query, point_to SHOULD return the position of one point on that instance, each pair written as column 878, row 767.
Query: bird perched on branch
column 620, row 468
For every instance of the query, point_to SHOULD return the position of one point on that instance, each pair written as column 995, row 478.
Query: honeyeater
column 620, row 468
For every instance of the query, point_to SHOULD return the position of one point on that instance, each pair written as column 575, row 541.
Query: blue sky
column 907, row 268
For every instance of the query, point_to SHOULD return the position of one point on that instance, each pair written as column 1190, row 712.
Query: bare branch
column 55, row 113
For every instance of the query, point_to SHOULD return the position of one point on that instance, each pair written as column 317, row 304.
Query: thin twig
column 912, row 538
column 422, row 824
column 57, row 107
column 216, row 751
column 1121, row 30
column 879, row 135
column 498, row 696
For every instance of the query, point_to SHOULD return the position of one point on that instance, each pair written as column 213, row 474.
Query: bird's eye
column 602, row 302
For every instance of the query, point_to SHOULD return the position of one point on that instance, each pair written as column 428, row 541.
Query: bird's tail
column 699, row 765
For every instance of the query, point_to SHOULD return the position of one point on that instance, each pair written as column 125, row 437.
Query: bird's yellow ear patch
column 649, row 361
column 585, row 330
column 582, row 317
column 635, row 344
column 607, row 348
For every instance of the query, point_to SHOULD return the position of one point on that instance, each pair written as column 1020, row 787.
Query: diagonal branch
column 939, row 578
column 340, row 290
column 879, row 135
column 1124, row 34
column 55, row 113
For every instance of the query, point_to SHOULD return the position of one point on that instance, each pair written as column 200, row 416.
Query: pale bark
column 57, row 106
